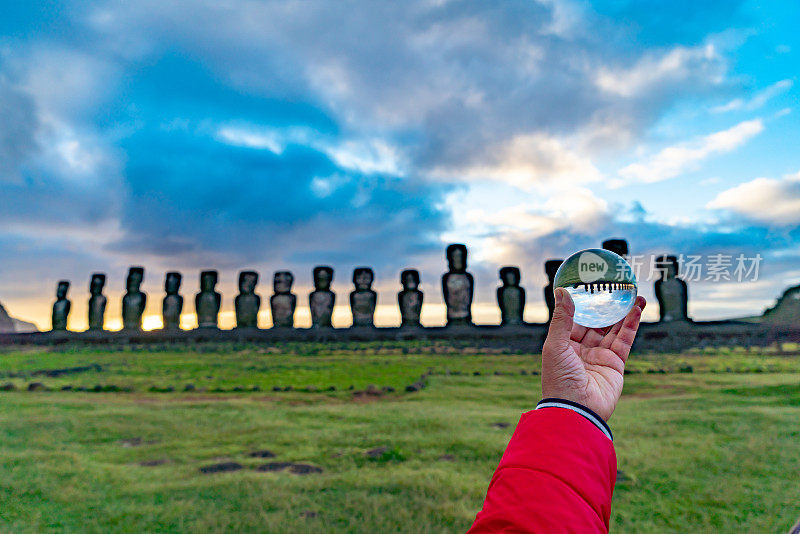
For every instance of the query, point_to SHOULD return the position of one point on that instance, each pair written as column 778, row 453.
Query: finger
column 592, row 338
column 558, row 335
column 578, row 331
column 611, row 335
column 621, row 345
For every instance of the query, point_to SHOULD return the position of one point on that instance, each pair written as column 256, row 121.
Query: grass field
column 115, row 441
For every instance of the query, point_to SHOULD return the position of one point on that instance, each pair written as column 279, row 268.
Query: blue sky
column 271, row 135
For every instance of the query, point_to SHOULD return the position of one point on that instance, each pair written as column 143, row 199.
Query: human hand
column 586, row 365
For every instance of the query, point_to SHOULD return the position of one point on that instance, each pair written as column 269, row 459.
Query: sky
column 270, row 135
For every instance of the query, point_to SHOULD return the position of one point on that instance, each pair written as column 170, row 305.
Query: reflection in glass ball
column 602, row 286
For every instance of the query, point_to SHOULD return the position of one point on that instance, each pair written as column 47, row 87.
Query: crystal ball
column 602, row 286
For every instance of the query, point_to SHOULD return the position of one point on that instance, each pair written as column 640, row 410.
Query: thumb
column 561, row 324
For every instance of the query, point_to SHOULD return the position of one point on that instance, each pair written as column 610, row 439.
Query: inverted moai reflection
column 97, row 302
column 510, row 297
column 61, row 306
column 321, row 300
column 208, row 301
column 551, row 268
column 458, row 286
column 172, row 305
column 410, row 299
column 247, row 302
column 671, row 291
column 363, row 299
column 282, row 304
column 617, row 246
column 134, row 301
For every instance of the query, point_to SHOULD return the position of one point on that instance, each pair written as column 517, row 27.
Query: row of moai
column 457, row 288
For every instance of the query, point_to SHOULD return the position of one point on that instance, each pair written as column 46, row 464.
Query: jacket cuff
column 578, row 408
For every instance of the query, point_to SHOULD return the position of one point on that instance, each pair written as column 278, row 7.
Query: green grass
column 715, row 449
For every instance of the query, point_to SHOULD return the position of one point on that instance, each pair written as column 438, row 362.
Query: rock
column 501, row 424
column 53, row 373
column 8, row 386
column 387, row 389
column 223, row 467
column 36, row 386
column 304, row 469
column 152, row 463
column 189, row 387
column 262, row 454
column 416, row 386
column 447, row 458
column 377, row 452
column 273, row 466
column 687, row 369
column 308, row 514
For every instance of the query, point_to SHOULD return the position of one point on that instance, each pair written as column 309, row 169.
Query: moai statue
column 247, row 302
column 322, row 298
column 61, row 306
column 134, row 301
column 550, row 267
column 410, row 298
column 97, row 302
column 458, row 287
column 617, row 246
column 511, row 297
column 363, row 299
column 671, row 291
column 172, row 306
column 283, row 302
column 208, row 301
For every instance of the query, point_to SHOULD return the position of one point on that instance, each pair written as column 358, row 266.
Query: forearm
column 556, row 475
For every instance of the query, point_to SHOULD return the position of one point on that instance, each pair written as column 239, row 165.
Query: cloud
column 18, row 130
column 758, row 100
column 657, row 69
column 271, row 134
column 525, row 161
column 674, row 160
column 766, row 200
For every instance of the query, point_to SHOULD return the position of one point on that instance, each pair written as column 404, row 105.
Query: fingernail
column 559, row 295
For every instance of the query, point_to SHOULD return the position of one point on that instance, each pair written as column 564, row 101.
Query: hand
column 586, row 365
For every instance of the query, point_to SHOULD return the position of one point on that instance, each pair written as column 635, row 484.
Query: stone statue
column 283, row 302
column 551, row 267
column 208, row 301
column 458, row 287
column 247, row 302
column 172, row 306
column 617, row 246
column 134, row 301
column 322, row 298
column 61, row 306
column 97, row 302
column 363, row 299
column 410, row 298
column 671, row 291
column 511, row 297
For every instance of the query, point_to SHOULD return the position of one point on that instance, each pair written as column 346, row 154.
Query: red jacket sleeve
column 556, row 475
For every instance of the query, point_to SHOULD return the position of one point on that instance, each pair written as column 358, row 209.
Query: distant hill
column 10, row 325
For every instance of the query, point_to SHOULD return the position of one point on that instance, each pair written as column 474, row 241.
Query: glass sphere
column 602, row 286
